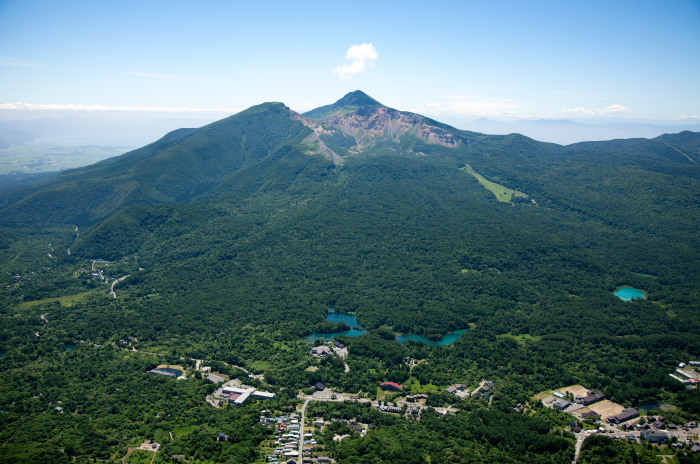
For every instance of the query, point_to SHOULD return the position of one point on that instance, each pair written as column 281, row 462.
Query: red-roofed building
column 393, row 386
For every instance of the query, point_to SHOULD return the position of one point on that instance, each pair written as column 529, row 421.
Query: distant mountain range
column 568, row 131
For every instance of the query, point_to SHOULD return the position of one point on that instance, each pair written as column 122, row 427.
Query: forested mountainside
column 229, row 244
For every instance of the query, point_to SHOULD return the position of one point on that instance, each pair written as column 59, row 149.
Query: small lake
column 448, row 339
column 626, row 293
column 356, row 329
column 177, row 372
column 664, row 406
column 70, row 347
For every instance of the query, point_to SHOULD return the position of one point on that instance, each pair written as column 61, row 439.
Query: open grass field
column 66, row 301
column 182, row 431
column 542, row 395
column 502, row 193
column 260, row 366
column 414, row 386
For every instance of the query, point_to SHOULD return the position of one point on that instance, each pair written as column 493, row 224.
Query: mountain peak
column 357, row 98
column 349, row 103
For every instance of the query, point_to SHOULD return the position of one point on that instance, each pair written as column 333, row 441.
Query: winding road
column 116, row 282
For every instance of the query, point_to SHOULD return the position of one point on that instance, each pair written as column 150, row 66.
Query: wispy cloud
column 471, row 105
column 169, row 77
column 11, row 62
column 361, row 57
column 80, row 107
column 688, row 116
column 612, row 109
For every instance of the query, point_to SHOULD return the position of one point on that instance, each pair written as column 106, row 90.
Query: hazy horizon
column 135, row 129
column 502, row 59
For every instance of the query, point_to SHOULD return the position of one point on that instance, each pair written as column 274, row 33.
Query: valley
column 483, row 264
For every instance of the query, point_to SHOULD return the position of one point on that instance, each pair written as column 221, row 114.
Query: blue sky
column 452, row 60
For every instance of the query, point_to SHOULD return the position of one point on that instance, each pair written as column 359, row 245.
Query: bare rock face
column 366, row 126
column 370, row 125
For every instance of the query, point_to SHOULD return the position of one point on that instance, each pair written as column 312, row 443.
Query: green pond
column 626, row 293
column 356, row 329
column 664, row 406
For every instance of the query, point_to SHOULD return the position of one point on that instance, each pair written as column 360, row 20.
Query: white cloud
column 18, row 63
column 688, row 116
column 361, row 57
column 612, row 109
column 79, row 107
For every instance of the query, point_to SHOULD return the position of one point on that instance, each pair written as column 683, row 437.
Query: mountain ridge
column 219, row 158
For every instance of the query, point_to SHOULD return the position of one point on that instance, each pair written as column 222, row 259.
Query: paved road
column 580, row 437
column 116, row 282
column 301, row 429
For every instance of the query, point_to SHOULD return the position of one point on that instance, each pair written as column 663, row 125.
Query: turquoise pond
column 356, row 329
column 626, row 293
column 449, row 338
column 70, row 347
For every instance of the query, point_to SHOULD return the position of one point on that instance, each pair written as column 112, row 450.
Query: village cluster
column 689, row 376
column 295, row 443
column 605, row 416
column 289, row 436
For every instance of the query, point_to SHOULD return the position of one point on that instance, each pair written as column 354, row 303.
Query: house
column 689, row 374
column 392, row 409
column 239, row 395
column 624, row 416
column 561, row 404
column 455, row 388
column 392, row 386
column 590, row 398
column 695, row 448
column 322, row 351
column 488, row 385
column 221, row 437
column 323, row 459
column 587, row 414
column 655, row 437
column 319, row 386
column 339, row 344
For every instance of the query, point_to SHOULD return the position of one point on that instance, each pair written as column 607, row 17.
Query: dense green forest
column 231, row 242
